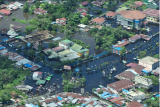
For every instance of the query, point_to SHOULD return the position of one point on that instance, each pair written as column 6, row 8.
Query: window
column 129, row 23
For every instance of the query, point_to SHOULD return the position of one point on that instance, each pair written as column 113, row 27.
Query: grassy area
column 6, row 17
column 11, row 78
column 127, row 3
column 21, row 21
column 107, row 2
column 155, row 79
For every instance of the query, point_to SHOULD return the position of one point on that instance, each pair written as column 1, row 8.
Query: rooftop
column 56, row 49
column 111, row 13
column 84, row 3
column 135, row 104
column 122, row 84
column 152, row 12
column 126, row 74
column 78, row 48
column 138, row 68
column 148, row 60
column 66, row 41
column 99, row 20
column 135, row 37
column 132, row 14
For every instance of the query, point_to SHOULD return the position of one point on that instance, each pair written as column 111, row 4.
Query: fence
column 96, row 56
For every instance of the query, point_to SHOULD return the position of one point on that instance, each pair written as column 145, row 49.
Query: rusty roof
column 50, row 100
column 99, row 20
column 138, row 68
column 135, row 37
column 122, row 44
column 122, row 84
column 126, row 74
column 132, row 14
column 56, row 49
column 135, row 104
column 84, row 3
column 152, row 12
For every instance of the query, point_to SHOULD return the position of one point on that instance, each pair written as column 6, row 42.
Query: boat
column 124, row 61
column 135, row 59
column 111, row 71
column 58, row 86
column 100, row 86
column 114, row 69
column 103, row 73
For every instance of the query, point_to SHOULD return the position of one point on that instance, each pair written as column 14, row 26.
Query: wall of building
column 145, row 64
column 155, row 65
column 114, row 91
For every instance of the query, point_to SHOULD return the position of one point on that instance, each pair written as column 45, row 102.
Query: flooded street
column 94, row 78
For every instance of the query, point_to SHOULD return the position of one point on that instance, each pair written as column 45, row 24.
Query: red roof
column 152, row 12
column 116, row 98
column 56, row 49
column 84, row 3
column 139, row 3
column 126, row 74
column 138, row 69
column 46, row 49
column 99, row 20
column 4, row 11
column 64, row 19
column 111, row 13
column 84, row 14
column 131, row 64
column 135, row 37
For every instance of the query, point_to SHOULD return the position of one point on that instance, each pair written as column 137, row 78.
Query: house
column 24, row 87
column 18, row 4
column 135, row 104
column 3, row 6
column 152, row 15
column 137, row 4
column 116, row 48
column 117, row 87
column 61, row 21
column 84, row 3
column 81, row 10
column 12, row 7
column 79, row 49
column 143, row 82
column 150, row 62
column 122, row 8
column 128, row 75
column 135, row 38
column 37, row 75
column 49, row 101
column 82, row 26
column 15, row 28
column 58, row 49
column 135, row 96
column 83, row 14
column 131, row 19
column 12, row 33
column 31, row 1
column 97, row 3
column 111, row 15
column 153, row 6
column 119, row 101
column 98, row 20
column 5, row 12
column 66, row 44
column 39, row 11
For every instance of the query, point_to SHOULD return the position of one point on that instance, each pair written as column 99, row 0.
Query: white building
column 134, row 96
column 37, row 75
column 18, row 4
column 149, row 62
column 24, row 87
column 143, row 82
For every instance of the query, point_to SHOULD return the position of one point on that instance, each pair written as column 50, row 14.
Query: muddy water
column 93, row 79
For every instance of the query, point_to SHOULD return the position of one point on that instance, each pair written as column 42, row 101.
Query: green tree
column 31, row 53
column 152, row 103
column 84, row 20
column 40, row 47
column 156, row 56
column 123, row 50
column 26, row 7
column 142, row 54
column 68, row 87
column 1, row 2
column 83, row 79
column 22, row 103
column 93, row 89
column 100, row 92
column 51, row 45
column 155, row 79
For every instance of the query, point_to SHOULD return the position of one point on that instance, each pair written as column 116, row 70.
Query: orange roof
column 132, row 14
column 5, row 11
column 139, row 3
column 99, row 20
column 84, row 14
column 111, row 13
column 63, row 19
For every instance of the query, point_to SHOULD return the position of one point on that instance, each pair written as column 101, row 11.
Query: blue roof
column 144, row 71
column 5, row 39
column 2, row 48
column 28, row 44
column 77, row 69
column 105, row 93
column 27, row 65
column 53, row 22
column 133, row 72
column 34, row 105
column 125, row 90
column 119, row 48
column 106, row 96
column 115, row 95
column 157, row 95
column 59, row 98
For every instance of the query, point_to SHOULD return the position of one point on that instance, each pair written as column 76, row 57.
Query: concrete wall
column 114, row 91
column 145, row 64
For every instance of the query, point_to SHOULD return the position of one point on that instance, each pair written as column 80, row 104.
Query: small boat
column 134, row 58
column 114, row 69
column 58, row 86
column 111, row 71
column 100, row 86
column 103, row 73
column 88, row 69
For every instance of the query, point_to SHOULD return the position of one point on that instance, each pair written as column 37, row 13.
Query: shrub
column 97, row 47
column 13, row 19
column 100, row 92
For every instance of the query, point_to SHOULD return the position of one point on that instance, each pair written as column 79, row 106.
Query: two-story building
column 143, row 82
column 152, row 15
column 149, row 62
column 131, row 19
column 117, row 87
column 134, row 96
column 66, row 44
